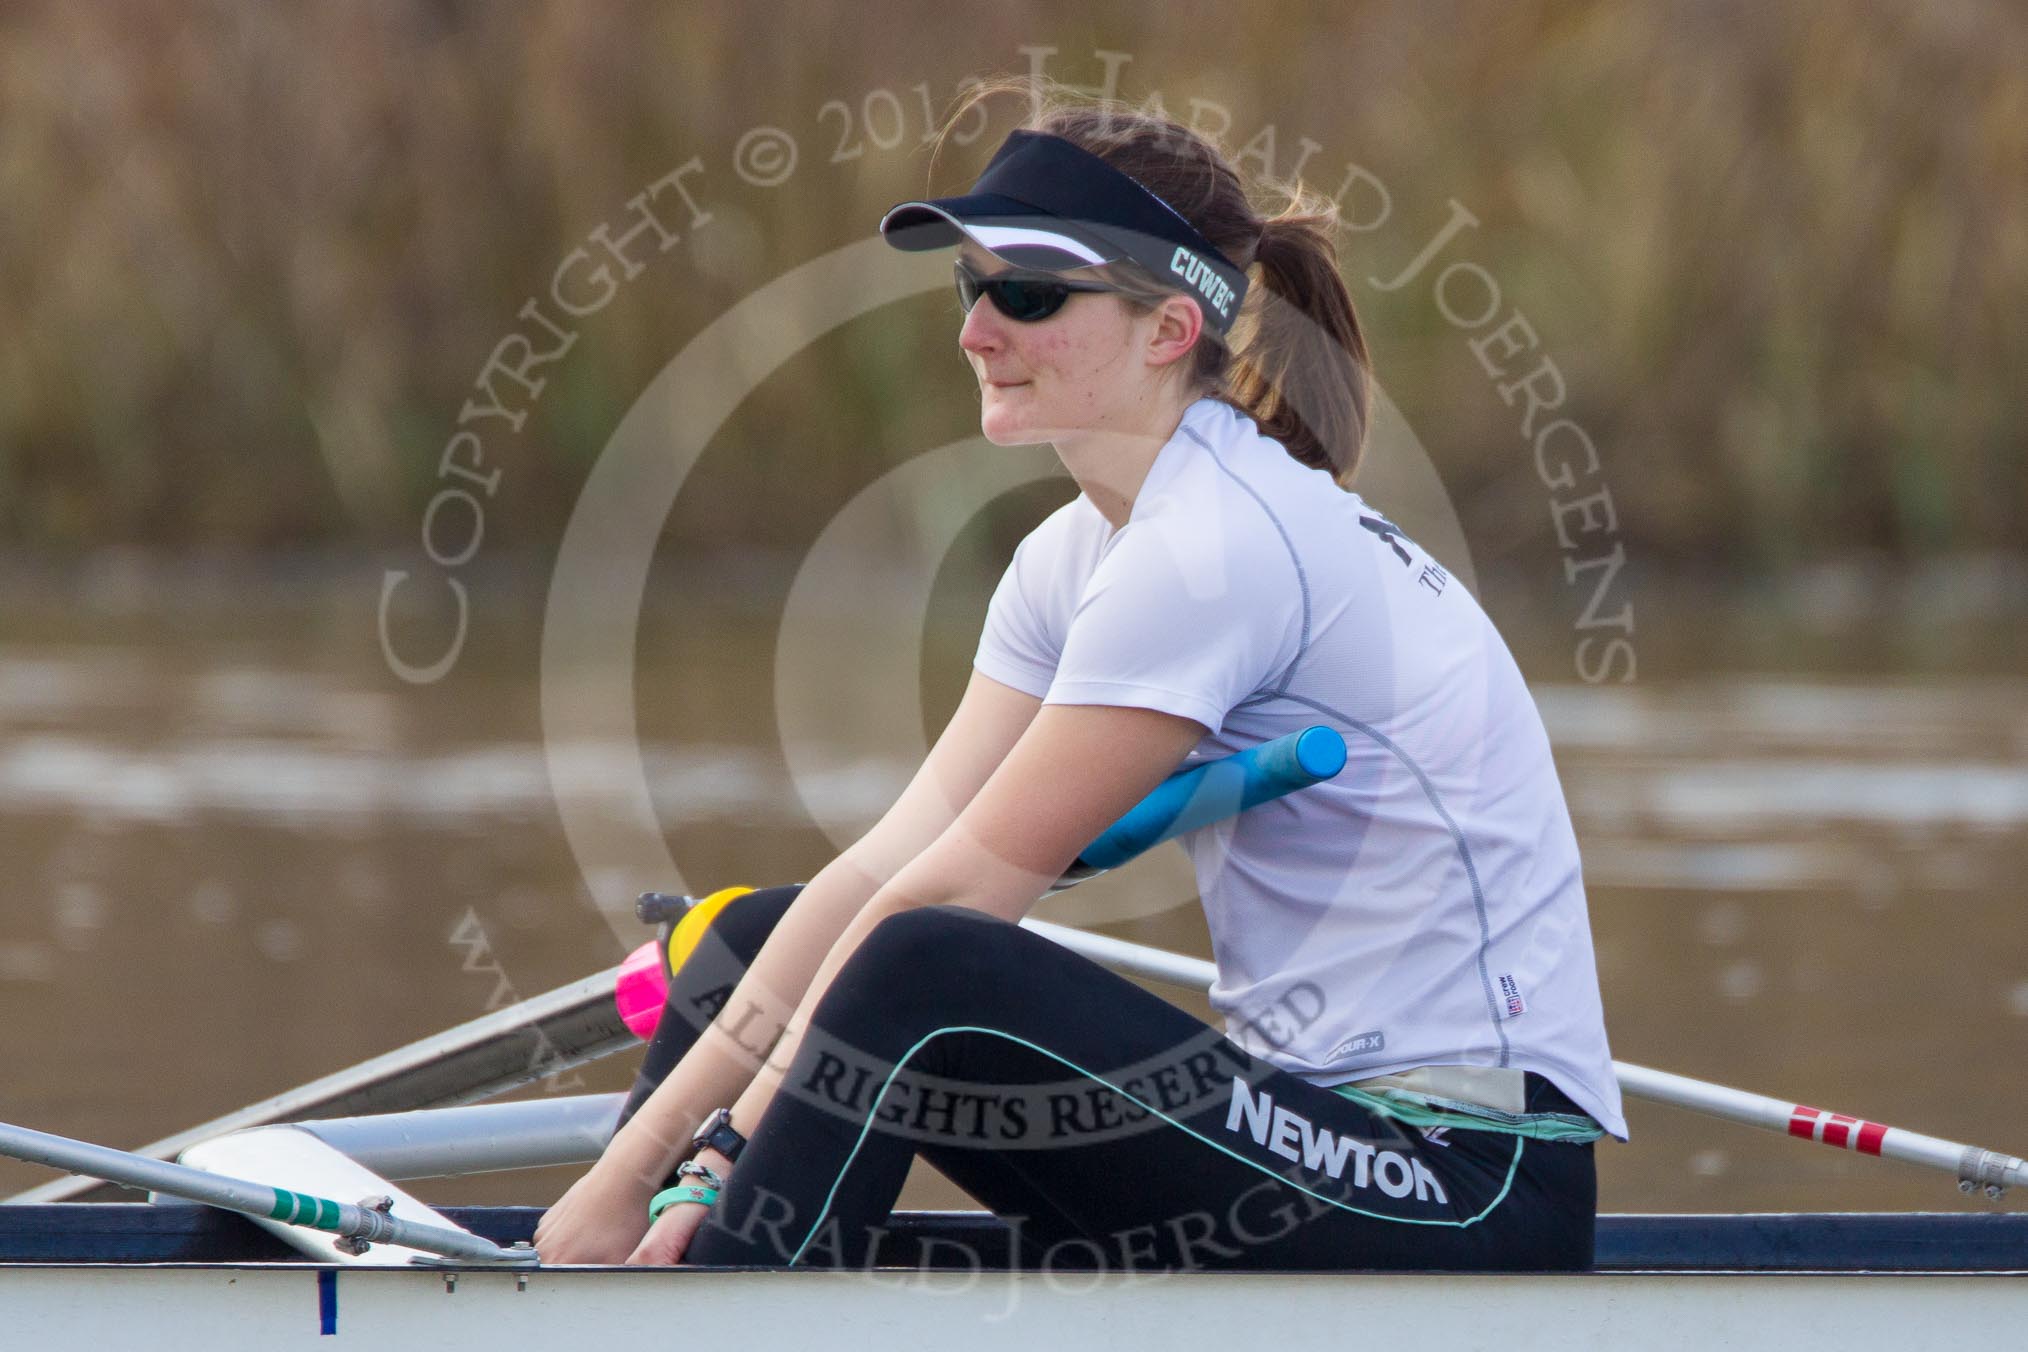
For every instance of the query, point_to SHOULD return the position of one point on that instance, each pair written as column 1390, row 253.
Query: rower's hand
column 599, row 1220
column 670, row 1237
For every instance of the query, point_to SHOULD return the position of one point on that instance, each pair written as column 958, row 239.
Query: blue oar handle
column 1215, row 790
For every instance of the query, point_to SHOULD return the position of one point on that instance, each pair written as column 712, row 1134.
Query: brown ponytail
column 1302, row 370
column 1296, row 359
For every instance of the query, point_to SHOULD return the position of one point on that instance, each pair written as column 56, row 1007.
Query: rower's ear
column 1177, row 325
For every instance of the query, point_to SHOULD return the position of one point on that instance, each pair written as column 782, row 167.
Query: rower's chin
column 1007, row 415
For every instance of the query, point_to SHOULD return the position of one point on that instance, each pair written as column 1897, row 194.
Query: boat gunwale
column 460, row 1269
column 140, row 1234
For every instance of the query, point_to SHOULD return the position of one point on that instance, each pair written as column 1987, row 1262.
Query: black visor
column 1046, row 204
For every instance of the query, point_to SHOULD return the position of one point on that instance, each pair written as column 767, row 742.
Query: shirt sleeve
column 1016, row 647
column 1186, row 626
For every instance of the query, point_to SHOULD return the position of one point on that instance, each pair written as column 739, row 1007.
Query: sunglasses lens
column 1024, row 300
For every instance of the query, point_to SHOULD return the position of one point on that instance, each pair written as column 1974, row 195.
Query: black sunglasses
column 1025, row 297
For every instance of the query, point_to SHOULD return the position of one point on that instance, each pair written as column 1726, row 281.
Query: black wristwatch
column 716, row 1132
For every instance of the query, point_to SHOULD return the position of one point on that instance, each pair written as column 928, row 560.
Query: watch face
column 717, row 1132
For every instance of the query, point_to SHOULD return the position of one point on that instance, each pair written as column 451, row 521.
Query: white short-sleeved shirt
column 1425, row 907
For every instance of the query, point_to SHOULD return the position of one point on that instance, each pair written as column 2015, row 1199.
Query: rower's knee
column 923, row 941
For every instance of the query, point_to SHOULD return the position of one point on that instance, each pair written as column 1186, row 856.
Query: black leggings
column 1108, row 1127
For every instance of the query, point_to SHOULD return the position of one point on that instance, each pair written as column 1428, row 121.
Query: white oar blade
column 311, row 1166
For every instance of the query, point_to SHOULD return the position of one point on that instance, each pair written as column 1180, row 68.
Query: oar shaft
column 236, row 1194
column 1130, row 958
column 1972, row 1166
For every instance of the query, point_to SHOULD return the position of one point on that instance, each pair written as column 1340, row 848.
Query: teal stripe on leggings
column 1505, row 1187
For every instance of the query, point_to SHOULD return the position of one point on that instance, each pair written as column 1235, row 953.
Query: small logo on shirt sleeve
column 1510, row 991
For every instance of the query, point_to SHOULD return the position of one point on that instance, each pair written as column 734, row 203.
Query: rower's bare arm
column 1075, row 771
column 988, row 722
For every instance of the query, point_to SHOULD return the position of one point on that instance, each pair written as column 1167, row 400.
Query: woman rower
column 1414, row 1065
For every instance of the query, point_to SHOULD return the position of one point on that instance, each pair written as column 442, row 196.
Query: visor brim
column 1014, row 232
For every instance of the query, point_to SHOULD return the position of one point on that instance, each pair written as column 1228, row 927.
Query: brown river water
column 236, row 854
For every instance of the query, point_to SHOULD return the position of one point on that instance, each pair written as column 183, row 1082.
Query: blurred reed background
column 254, row 259
column 252, row 256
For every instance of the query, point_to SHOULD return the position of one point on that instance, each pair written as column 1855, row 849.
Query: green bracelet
column 685, row 1192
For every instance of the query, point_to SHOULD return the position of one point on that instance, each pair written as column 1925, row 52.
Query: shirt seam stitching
column 1457, row 839
column 1302, row 578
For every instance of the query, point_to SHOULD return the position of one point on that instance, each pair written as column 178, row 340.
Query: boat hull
column 222, row 1308
column 187, row 1277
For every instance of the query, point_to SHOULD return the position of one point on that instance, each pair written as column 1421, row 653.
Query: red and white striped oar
column 1974, row 1167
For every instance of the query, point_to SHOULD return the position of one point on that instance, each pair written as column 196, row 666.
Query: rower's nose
column 984, row 330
